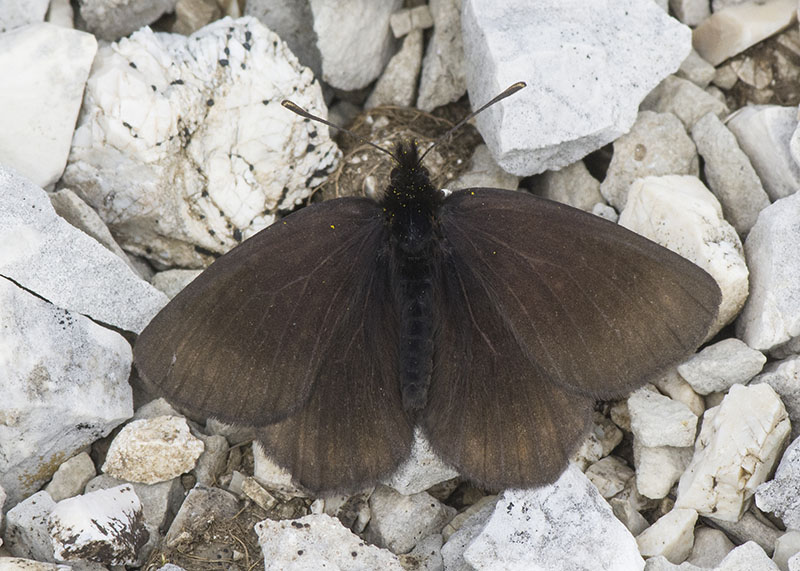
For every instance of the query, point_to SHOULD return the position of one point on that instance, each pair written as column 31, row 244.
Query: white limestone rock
column 405, row 21
column 64, row 385
column 771, row 316
column 74, row 210
column 747, row 557
column 566, row 525
column 71, row 477
column 680, row 213
column 483, row 172
column 159, row 501
column 112, row 19
column 26, row 534
column 750, row 527
column 572, row 185
column 676, row 388
column 656, row 145
column 153, row 450
column 609, row 475
column 105, row 526
column 779, row 495
column 399, row 521
column 657, row 469
column 764, row 133
column 711, row 546
column 730, row 176
column 44, row 69
column 464, row 528
column 398, row 83
column 696, row 69
column 785, row 548
column 272, row 476
column 720, row 366
column 587, row 65
column 684, row 99
column 421, row 470
column 603, row 437
column 18, row 13
column 657, row 420
column 318, row 541
column 48, row 256
column 672, row 536
column 354, row 40
column 738, row 446
column 784, row 378
column 443, row 78
column 690, row 12
column 732, row 30
column 182, row 146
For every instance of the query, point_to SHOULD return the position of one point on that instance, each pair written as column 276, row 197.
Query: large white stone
column 771, row 316
column 105, row 526
column 64, row 384
column 588, row 65
column 736, row 28
column 671, row 536
column 765, row 133
column 720, row 366
column 738, row 446
column 44, row 69
column 680, row 213
column 319, row 541
column 48, row 256
column 183, row 147
column 26, row 533
column 657, row 420
column 730, row 176
column 566, row 525
column 354, row 40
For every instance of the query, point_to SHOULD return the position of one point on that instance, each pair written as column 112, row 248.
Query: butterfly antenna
column 511, row 90
column 305, row 114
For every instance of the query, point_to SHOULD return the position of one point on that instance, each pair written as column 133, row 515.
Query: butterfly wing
column 542, row 309
column 248, row 339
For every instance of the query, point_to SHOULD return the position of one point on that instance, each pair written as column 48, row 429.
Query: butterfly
column 490, row 319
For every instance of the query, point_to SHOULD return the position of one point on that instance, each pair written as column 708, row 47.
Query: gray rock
column 764, row 133
column 398, row 522
column 690, row 12
column 710, row 547
column 202, row 506
column 397, row 84
column 696, row 69
column 128, row 15
column 21, row 564
column 188, row 167
column 657, row 420
column 50, row 257
column 784, row 377
column 786, row 547
column 779, row 495
column 671, row 536
column 318, row 541
column 684, row 99
column 71, row 477
column 293, row 22
column 571, row 185
column 483, row 172
column 212, row 461
column 720, row 366
column 656, row 145
column 421, row 470
column 456, row 541
column 771, row 316
column 426, row 555
column 566, row 525
column 354, row 40
column 171, row 282
column 75, row 372
column 407, row 20
column 588, row 66
column 26, row 533
column 105, row 526
column 443, row 77
column 44, row 69
column 729, row 173
column 750, row 528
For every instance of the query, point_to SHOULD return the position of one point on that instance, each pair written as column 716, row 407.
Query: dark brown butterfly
column 491, row 319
